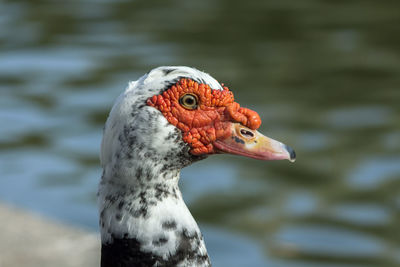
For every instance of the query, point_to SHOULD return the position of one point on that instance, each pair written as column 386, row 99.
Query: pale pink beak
column 250, row 143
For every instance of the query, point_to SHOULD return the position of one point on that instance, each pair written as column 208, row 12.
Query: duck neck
column 144, row 220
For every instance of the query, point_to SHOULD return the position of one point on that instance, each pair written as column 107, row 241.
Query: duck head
column 184, row 114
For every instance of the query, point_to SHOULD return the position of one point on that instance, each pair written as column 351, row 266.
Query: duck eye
column 189, row 101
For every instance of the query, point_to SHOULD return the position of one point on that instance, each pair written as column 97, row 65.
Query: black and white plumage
column 143, row 218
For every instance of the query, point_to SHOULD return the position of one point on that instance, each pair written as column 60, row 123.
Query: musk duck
column 166, row 120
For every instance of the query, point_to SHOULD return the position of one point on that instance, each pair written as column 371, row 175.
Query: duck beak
column 250, row 143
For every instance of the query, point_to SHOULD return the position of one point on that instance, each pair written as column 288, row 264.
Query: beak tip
column 291, row 152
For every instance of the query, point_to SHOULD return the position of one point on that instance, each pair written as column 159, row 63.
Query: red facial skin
column 209, row 121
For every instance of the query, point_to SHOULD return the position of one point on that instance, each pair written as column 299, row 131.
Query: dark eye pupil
column 189, row 101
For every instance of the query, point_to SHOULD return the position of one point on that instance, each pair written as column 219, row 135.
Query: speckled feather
column 143, row 218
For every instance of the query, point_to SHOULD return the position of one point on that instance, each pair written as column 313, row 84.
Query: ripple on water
column 30, row 120
column 206, row 177
column 20, row 173
column 83, row 143
column 229, row 244
column 373, row 172
column 301, row 203
column 61, row 62
column 359, row 117
column 31, row 178
column 362, row 213
column 315, row 141
column 330, row 241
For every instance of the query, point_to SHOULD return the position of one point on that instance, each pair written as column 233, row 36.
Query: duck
column 166, row 120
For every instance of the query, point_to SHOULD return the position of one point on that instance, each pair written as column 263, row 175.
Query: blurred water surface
column 323, row 75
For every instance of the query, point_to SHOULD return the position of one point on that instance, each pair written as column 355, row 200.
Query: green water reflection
column 324, row 76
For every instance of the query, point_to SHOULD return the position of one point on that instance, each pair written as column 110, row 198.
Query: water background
column 323, row 75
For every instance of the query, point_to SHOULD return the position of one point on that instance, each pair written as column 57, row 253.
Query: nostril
column 247, row 133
